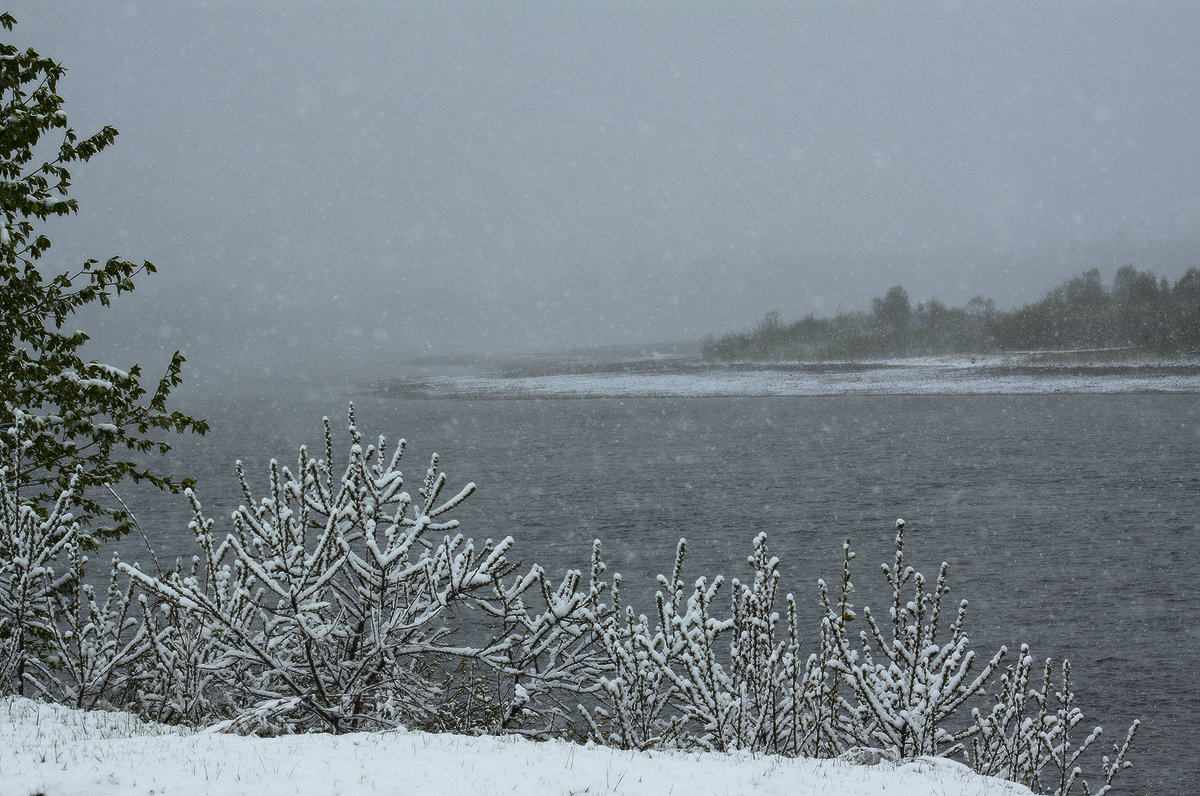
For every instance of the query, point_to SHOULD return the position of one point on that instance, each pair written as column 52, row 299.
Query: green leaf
column 75, row 413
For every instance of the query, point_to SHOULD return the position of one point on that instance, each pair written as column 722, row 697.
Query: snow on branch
column 337, row 602
column 332, row 605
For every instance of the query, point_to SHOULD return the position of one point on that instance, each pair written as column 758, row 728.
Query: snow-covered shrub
column 34, row 545
column 903, row 688
column 332, row 605
column 33, row 552
column 549, row 647
column 909, row 680
column 692, row 678
column 339, row 602
column 912, row 688
column 96, row 645
column 1026, row 736
column 57, row 640
column 180, row 679
column 636, row 695
column 835, row 721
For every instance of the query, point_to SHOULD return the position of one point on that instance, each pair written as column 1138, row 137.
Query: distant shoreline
column 1021, row 373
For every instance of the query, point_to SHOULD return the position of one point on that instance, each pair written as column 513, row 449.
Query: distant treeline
column 1139, row 311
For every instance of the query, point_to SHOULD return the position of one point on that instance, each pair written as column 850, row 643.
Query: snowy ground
column 52, row 751
column 688, row 377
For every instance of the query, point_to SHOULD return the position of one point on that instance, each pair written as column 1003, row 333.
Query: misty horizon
column 339, row 188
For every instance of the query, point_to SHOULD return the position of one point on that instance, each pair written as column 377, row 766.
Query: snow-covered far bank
column 686, row 377
column 54, row 751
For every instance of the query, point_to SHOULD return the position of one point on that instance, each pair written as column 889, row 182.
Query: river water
column 1070, row 522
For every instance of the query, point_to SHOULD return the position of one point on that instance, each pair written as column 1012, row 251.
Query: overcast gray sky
column 358, row 182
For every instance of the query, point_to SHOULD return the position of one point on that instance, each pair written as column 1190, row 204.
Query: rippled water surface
column 1070, row 522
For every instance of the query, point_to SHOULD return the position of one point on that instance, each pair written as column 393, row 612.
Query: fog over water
column 333, row 188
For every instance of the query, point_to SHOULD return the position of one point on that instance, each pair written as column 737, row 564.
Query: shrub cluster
column 339, row 602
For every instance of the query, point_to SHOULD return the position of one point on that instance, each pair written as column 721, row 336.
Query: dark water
column 1070, row 522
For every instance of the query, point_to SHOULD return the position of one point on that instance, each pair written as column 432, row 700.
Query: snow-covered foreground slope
column 51, row 750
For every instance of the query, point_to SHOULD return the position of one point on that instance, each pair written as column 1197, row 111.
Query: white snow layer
column 900, row 377
column 52, row 750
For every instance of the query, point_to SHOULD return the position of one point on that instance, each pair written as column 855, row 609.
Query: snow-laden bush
column 33, row 551
column 912, row 684
column 339, row 602
column 1026, row 735
column 695, row 677
column 333, row 604
column 97, row 643
column 58, row 641
column 908, row 679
